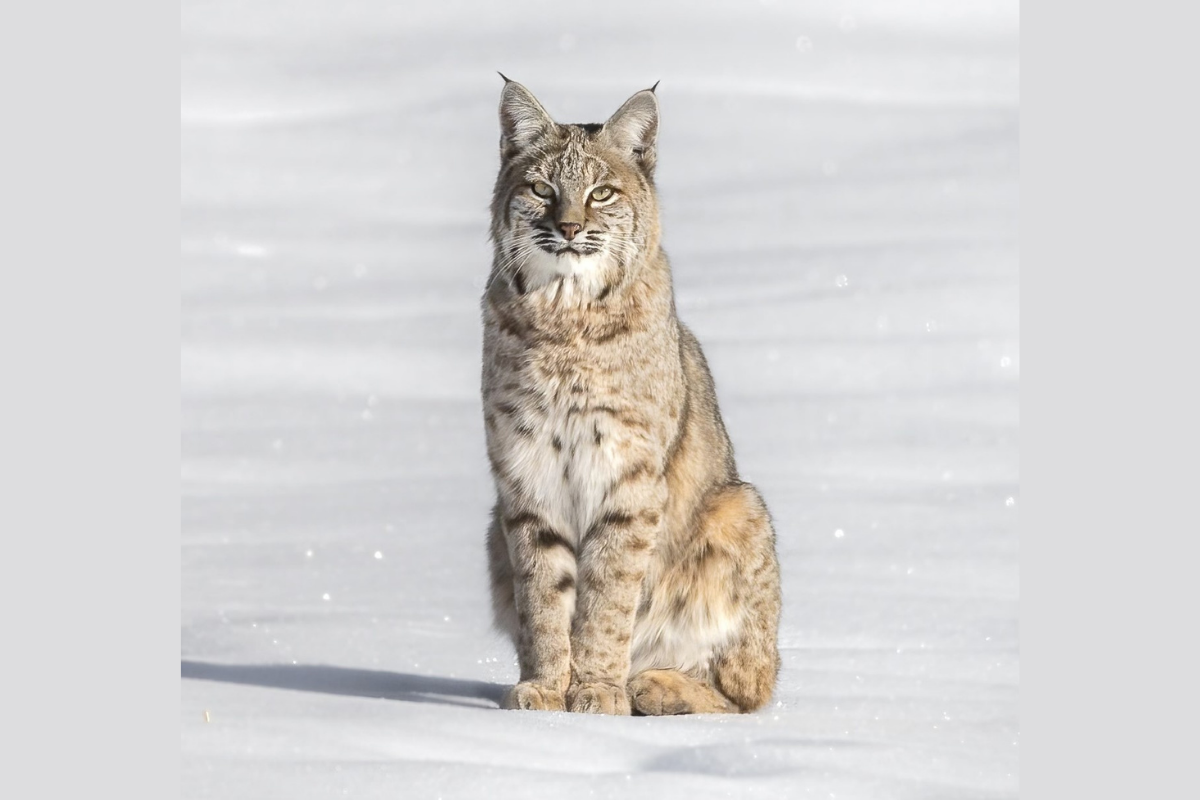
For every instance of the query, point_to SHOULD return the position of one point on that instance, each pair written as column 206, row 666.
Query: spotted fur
column 632, row 567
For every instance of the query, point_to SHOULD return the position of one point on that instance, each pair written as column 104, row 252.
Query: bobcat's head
column 574, row 200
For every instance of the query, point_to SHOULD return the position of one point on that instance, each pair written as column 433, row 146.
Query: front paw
column 530, row 696
column 598, row 698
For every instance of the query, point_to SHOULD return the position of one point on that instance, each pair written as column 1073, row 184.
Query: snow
column 840, row 193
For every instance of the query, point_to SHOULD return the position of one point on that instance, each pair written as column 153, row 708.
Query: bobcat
column 630, row 565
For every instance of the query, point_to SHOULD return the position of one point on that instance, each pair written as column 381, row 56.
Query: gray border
column 90, row 312
column 1110, row 116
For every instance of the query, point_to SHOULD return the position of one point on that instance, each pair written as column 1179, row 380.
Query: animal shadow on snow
column 350, row 682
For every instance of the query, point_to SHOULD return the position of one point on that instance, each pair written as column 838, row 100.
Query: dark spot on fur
column 634, row 422
column 633, row 473
column 612, row 519
column 524, row 518
column 564, row 583
column 556, row 443
column 612, row 333
column 498, row 470
column 681, row 436
column 547, row 538
column 511, row 325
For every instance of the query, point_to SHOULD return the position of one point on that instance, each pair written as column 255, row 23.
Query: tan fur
column 631, row 566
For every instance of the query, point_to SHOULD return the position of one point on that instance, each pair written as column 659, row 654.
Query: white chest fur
column 567, row 465
column 582, row 275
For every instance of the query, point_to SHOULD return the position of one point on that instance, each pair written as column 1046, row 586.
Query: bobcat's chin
column 542, row 266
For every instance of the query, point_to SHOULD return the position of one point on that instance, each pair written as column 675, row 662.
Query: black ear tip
column 655, row 86
column 507, row 80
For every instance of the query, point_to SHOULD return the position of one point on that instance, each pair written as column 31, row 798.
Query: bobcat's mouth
column 575, row 249
column 548, row 242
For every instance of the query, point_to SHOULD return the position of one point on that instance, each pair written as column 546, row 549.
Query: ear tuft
column 634, row 129
column 522, row 118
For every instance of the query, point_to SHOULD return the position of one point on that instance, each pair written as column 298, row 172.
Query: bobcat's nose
column 569, row 229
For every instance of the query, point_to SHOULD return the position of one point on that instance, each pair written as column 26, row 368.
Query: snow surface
column 840, row 193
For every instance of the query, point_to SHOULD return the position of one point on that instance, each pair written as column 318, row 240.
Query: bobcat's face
column 573, row 199
column 573, row 203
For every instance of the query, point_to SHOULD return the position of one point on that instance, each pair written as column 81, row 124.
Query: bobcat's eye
column 543, row 190
column 602, row 193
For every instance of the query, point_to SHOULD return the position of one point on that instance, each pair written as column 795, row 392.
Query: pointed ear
column 522, row 118
column 634, row 129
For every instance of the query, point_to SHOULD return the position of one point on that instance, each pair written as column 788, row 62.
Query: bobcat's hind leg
column 661, row 692
column 713, row 611
column 745, row 670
